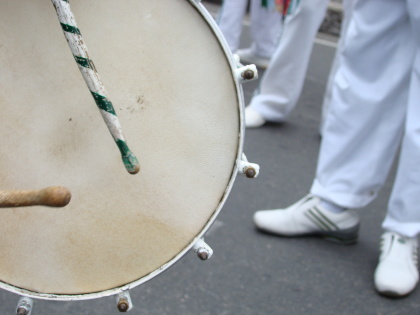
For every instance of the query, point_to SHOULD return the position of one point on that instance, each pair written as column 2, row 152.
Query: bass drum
column 171, row 80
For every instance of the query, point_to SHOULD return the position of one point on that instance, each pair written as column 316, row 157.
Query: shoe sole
column 342, row 237
column 392, row 294
column 349, row 241
column 346, row 237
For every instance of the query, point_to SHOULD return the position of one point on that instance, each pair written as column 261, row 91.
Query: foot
column 307, row 217
column 253, row 119
column 247, row 56
column 397, row 272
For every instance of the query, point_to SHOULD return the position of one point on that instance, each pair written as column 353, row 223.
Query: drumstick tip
column 129, row 159
column 56, row 196
column 131, row 163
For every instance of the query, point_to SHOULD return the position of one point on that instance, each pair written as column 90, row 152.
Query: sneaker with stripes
column 397, row 272
column 308, row 217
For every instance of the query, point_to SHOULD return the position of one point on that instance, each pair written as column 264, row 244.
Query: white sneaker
column 247, row 57
column 253, row 119
column 307, row 217
column 397, row 272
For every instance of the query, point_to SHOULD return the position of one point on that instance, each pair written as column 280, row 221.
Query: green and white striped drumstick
column 91, row 76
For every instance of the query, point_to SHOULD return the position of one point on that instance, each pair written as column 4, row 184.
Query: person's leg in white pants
column 265, row 26
column 265, row 30
column 347, row 9
column 230, row 19
column 375, row 103
column 403, row 209
column 365, row 123
column 397, row 272
column 283, row 80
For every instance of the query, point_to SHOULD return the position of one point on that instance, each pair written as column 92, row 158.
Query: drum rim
column 87, row 296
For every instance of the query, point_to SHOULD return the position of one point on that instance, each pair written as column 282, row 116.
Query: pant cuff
column 345, row 200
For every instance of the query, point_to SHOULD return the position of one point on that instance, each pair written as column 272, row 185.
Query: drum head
column 173, row 90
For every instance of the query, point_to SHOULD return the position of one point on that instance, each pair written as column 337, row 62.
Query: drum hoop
column 88, row 296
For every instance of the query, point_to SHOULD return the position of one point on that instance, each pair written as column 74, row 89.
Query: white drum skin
column 173, row 89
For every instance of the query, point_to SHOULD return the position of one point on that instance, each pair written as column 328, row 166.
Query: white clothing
column 375, row 104
column 265, row 26
column 283, row 81
column 347, row 9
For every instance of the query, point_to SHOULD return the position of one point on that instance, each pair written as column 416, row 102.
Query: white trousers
column 374, row 112
column 282, row 83
column 265, row 26
column 347, row 9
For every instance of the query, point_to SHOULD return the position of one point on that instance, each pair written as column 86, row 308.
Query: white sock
column 332, row 207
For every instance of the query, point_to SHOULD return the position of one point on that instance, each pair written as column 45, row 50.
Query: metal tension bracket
column 124, row 303
column 24, row 306
column 203, row 250
column 245, row 73
column 250, row 170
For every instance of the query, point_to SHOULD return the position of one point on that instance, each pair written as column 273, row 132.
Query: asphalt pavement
column 255, row 273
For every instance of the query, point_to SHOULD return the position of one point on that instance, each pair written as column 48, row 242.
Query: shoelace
column 402, row 240
column 382, row 244
column 416, row 255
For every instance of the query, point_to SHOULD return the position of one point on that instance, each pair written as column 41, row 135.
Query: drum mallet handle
column 94, row 83
column 55, row 196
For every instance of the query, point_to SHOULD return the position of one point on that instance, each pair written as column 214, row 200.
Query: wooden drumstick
column 87, row 68
column 55, row 196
